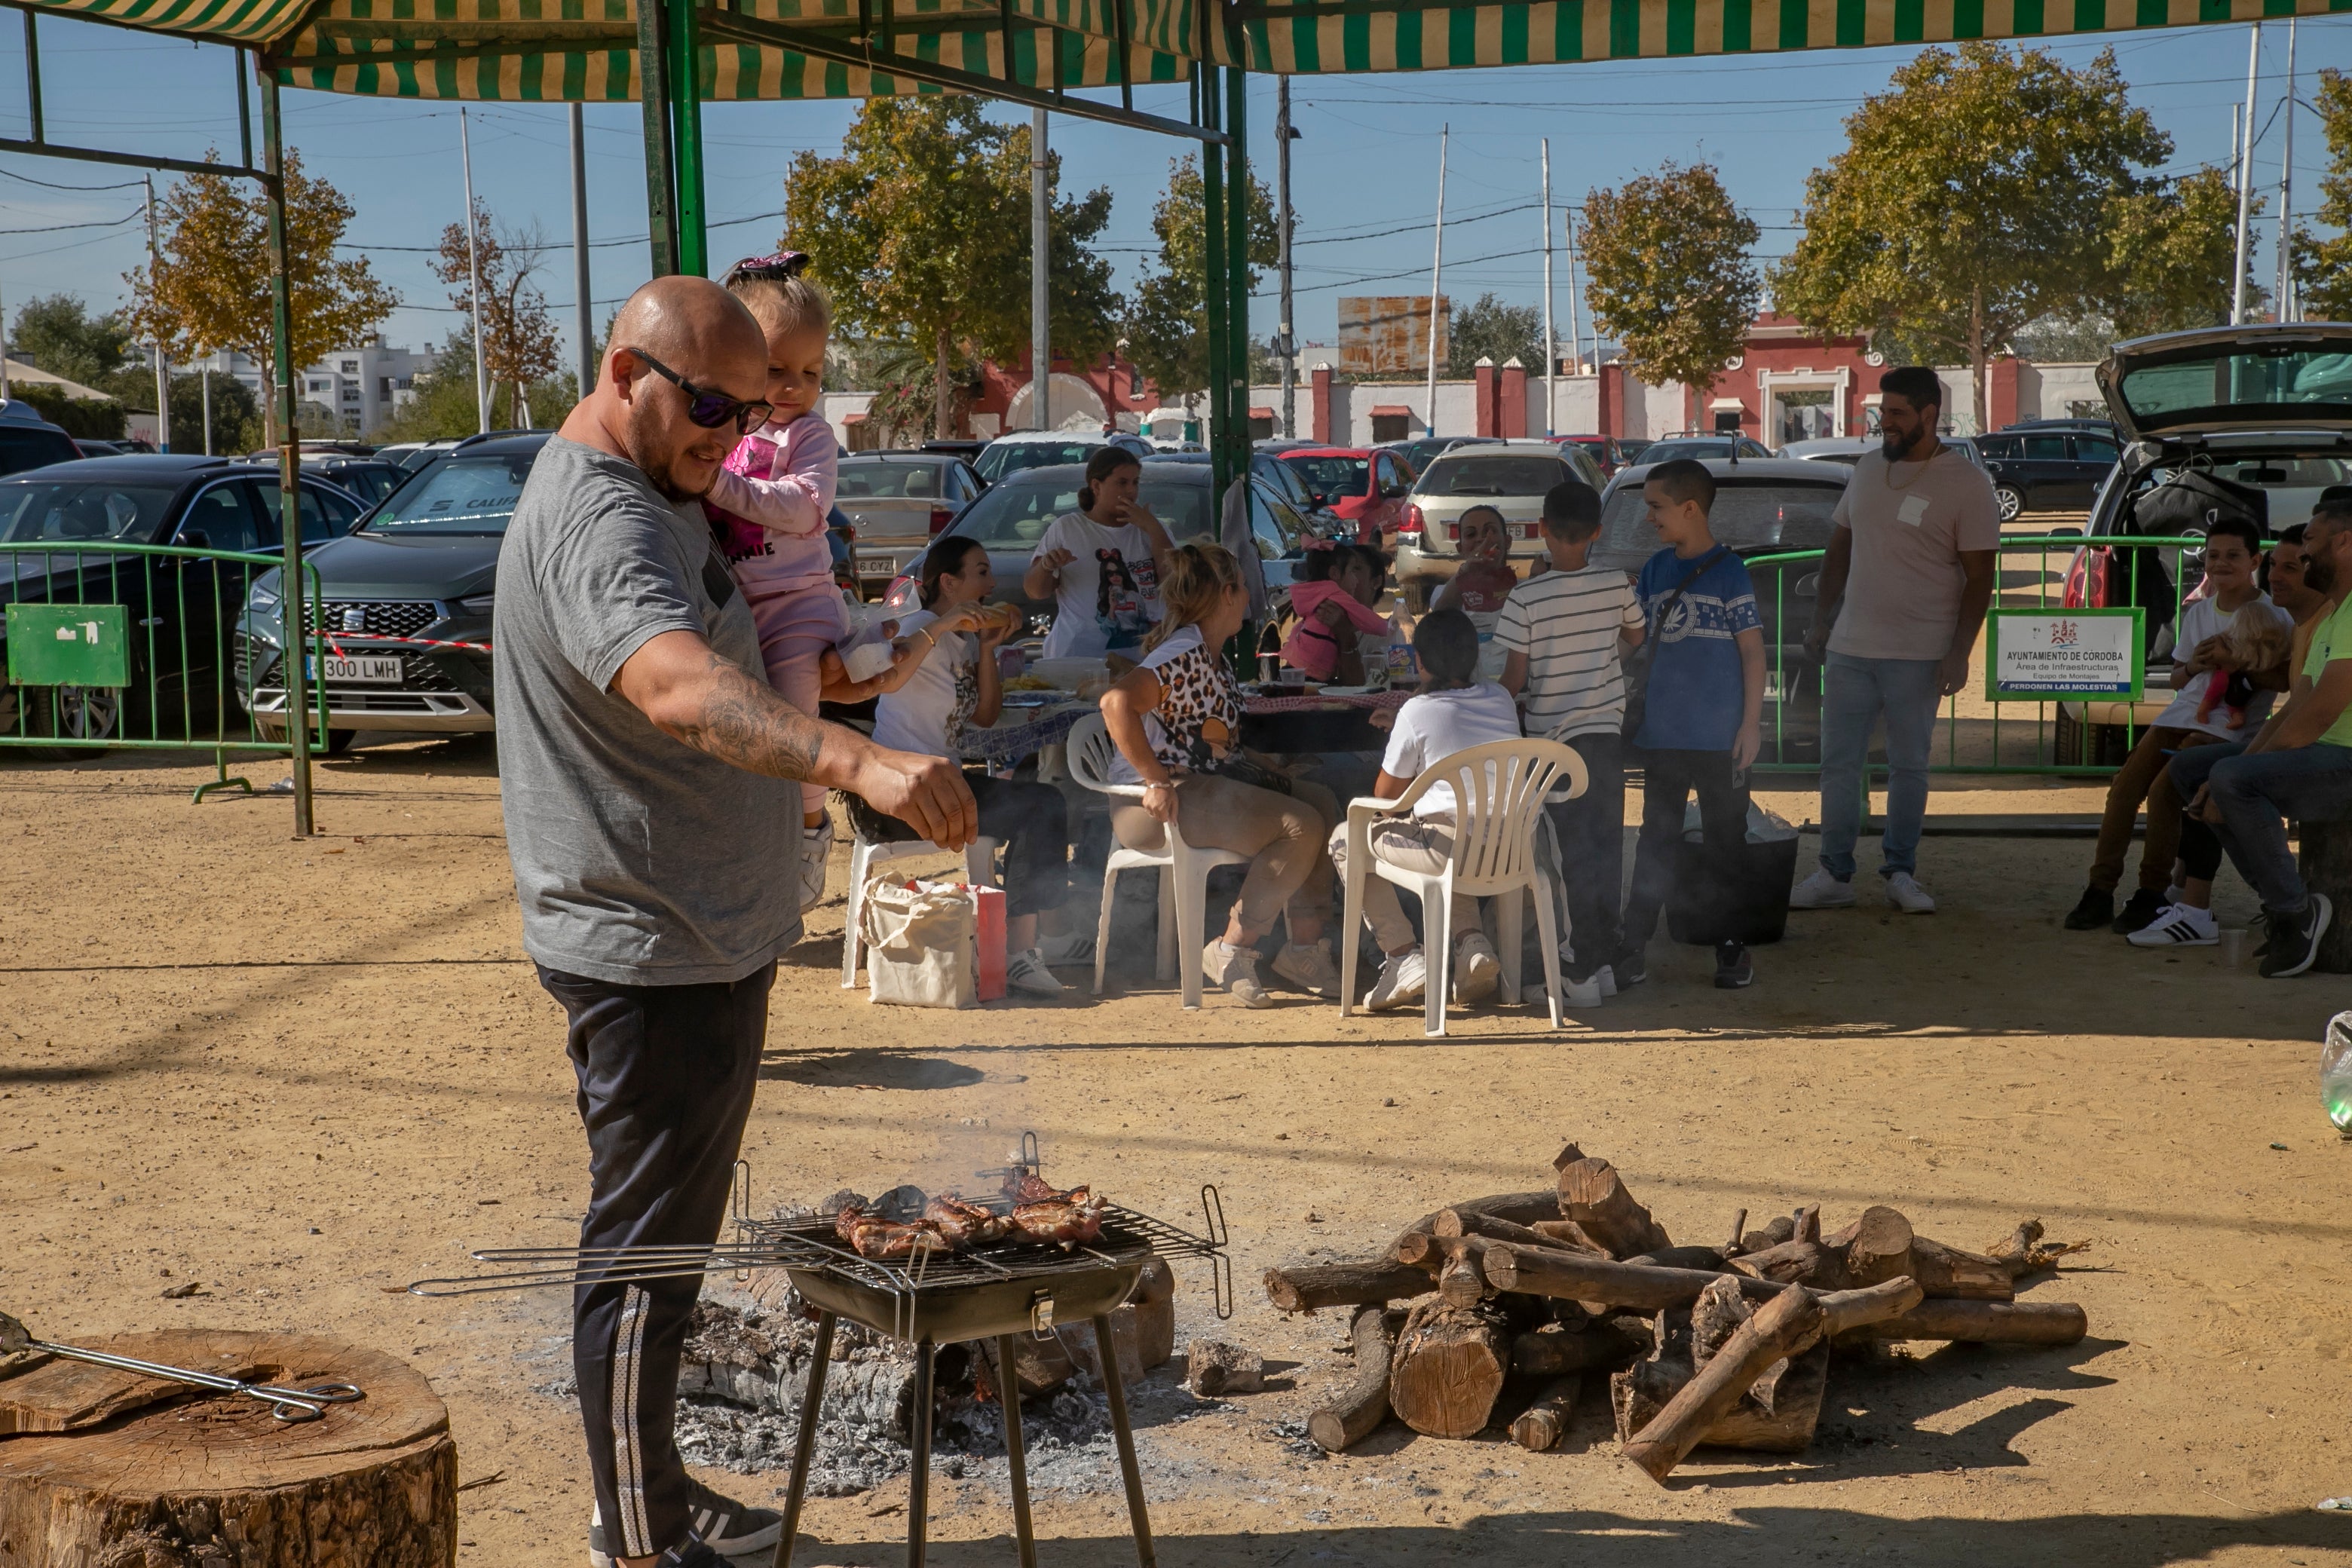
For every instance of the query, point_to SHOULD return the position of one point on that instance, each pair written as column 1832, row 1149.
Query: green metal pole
column 295, row 659
column 1237, row 270
column 652, row 98
column 685, row 139
column 1215, row 259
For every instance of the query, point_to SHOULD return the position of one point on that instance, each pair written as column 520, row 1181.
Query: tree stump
column 185, row 1479
column 2326, row 867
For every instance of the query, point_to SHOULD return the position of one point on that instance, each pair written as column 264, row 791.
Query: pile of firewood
column 1724, row 1345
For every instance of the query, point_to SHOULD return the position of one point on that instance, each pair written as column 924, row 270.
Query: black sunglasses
column 708, row 409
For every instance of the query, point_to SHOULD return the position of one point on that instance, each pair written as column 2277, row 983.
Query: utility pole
column 1436, row 266
column 584, row 326
column 1286, row 343
column 2286, row 307
column 1041, row 279
column 474, row 265
column 1552, row 342
column 2237, row 136
column 205, row 380
column 5, row 393
column 2245, row 184
column 1575, row 330
column 163, row 363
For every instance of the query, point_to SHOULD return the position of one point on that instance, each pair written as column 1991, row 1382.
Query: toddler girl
column 1332, row 594
column 769, row 507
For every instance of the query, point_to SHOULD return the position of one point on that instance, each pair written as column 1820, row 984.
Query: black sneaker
column 693, row 1555
column 724, row 1526
column 2095, row 909
column 2139, row 912
column 2294, row 939
column 1733, row 972
column 1632, row 967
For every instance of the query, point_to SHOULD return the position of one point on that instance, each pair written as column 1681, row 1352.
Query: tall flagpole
column 1041, row 277
column 474, row 265
column 1552, row 342
column 2245, row 184
column 1436, row 266
column 583, row 317
column 2287, row 308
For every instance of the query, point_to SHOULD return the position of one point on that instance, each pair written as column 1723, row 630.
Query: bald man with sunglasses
column 651, row 784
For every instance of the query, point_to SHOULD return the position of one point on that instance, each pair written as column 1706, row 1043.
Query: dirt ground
column 306, row 1073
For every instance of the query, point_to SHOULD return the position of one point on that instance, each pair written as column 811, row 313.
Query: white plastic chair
column 865, row 854
column 1184, row 870
column 1499, row 798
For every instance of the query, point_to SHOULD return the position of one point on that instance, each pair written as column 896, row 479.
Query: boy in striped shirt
column 1564, row 633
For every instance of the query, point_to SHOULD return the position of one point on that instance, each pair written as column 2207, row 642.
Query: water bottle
column 1402, row 670
column 2336, row 1073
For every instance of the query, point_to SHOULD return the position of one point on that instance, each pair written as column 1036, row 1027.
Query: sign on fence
column 2041, row 656
column 69, row 645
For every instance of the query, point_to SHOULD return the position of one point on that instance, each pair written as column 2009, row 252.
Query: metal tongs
column 287, row 1404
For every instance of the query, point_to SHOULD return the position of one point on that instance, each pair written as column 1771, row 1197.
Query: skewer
column 289, row 1404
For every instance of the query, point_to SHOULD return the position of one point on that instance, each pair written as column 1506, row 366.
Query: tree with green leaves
column 2322, row 268
column 1972, row 199
column 1486, row 328
column 2170, row 244
column 920, row 230
column 518, row 338
column 58, row 334
column 1168, row 320
column 1671, row 281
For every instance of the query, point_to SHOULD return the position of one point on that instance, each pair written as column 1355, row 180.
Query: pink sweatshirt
column 771, row 501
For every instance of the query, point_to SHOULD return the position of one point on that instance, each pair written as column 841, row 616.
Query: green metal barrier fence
column 2064, row 737
column 116, row 646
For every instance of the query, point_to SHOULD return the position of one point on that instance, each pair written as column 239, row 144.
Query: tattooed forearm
column 741, row 721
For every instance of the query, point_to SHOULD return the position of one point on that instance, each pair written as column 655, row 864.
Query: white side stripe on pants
column 628, row 1461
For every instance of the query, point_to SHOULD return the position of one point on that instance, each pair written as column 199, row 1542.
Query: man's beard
column 657, row 471
column 1895, row 446
column 2319, row 572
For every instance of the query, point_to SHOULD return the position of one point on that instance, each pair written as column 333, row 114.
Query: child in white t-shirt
column 1454, row 711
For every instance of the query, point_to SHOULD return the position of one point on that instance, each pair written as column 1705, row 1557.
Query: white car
column 1050, row 448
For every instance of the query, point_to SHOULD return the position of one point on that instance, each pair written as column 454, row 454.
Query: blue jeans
column 2258, row 794
column 1855, row 693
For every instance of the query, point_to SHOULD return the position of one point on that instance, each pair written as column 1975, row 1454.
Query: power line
column 131, row 217
column 53, row 185
column 592, row 244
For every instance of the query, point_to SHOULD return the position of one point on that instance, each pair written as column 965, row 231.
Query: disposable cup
column 2233, row 946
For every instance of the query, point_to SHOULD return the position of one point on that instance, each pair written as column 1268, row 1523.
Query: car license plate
column 878, row 565
column 381, row 669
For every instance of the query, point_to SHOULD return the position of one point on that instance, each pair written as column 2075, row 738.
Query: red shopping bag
column 988, row 906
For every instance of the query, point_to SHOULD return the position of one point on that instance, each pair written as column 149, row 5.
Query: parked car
column 969, row 451
column 1510, row 476
column 1419, row 454
column 2248, row 421
column 1606, row 451
column 178, row 606
column 413, row 454
column 1363, row 487
column 91, row 446
column 1763, row 507
column 1703, row 445
column 897, row 503
column 1847, row 450
column 422, row 564
column 2046, row 468
column 1270, row 470
column 1049, row 448
column 29, row 441
column 1014, row 515
column 368, row 478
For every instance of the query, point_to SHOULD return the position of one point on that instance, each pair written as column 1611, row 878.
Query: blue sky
column 1367, row 164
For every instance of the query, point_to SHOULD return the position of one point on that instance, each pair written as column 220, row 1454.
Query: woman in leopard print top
column 1176, row 719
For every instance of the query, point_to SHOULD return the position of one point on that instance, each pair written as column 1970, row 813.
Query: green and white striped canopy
column 559, row 50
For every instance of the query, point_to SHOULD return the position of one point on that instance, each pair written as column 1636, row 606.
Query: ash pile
column 1504, row 1310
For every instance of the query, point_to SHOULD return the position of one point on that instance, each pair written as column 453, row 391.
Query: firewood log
column 1576, row 1279
column 1807, row 1224
column 1985, row 1323
column 1806, row 1263
column 1539, row 1426
column 1594, row 1195
column 1460, row 1283
column 1787, row 1326
column 1637, row 1394
column 1781, row 1229
column 1448, row 1369
column 1555, row 1350
column 1513, row 1208
column 1305, row 1287
column 2023, row 1251
column 1881, row 1245
column 1568, row 1234
column 1353, row 1416
column 1451, row 1223
column 1708, row 1259
column 1877, row 1247
column 1782, row 1406
column 1739, row 1228
column 1948, row 1272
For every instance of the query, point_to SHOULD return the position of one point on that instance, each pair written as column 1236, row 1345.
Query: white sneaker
column 1025, row 970
column 1606, row 977
column 1404, row 980
column 817, row 849
column 2177, row 925
column 1309, row 966
column 1235, row 970
column 1905, row 893
column 1822, row 892
column 1477, row 968
column 1586, row 992
column 1071, row 947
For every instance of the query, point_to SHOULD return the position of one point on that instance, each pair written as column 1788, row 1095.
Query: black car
column 1268, row 468
column 1763, row 507
column 29, row 441
column 179, row 608
column 2050, row 469
column 370, row 478
column 418, row 571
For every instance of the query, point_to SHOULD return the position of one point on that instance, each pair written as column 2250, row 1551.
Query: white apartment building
column 359, row 386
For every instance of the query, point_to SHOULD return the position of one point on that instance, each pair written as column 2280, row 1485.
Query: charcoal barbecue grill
column 1001, row 1291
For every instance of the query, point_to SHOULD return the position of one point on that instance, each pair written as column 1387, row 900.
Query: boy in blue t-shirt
column 1702, row 722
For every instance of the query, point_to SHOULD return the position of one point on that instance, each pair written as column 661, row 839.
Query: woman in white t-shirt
column 949, row 680
column 1455, row 711
column 1101, row 565
column 1176, row 719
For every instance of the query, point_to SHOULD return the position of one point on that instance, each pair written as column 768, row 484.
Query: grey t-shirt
column 1911, row 521
column 637, row 859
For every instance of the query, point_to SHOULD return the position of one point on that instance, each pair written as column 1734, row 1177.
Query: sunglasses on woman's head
column 708, row 409
column 767, row 268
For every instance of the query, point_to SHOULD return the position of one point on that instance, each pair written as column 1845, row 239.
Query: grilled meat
column 1025, row 1186
column 965, row 1224
column 1068, row 1218
column 871, row 1237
